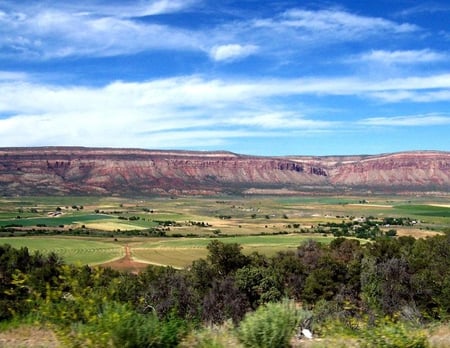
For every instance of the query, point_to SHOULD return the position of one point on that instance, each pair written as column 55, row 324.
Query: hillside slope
column 73, row 170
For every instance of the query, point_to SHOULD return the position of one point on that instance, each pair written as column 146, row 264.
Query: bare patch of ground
column 112, row 226
column 440, row 337
column 28, row 336
column 416, row 232
column 441, row 205
column 126, row 263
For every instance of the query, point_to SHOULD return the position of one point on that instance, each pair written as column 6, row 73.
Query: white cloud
column 408, row 121
column 413, row 96
column 165, row 6
column 102, row 8
column 339, row 20
column 197, row 95
column 232, row 52
column 418, row 82
column 60, row 32
column 162, row 113
column 336, row 23
column 426, row 7
column 403, row 57
column 37, row 32
column 279, row 120
column 123, row 9
column 173, row 112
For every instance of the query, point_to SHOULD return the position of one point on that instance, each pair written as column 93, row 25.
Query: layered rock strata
column 73, row 170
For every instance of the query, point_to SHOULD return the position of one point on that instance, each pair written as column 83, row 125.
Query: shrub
column 371, row 333
column 394, row 335
column 120, row 326
column 214, row 336
column 271, row 325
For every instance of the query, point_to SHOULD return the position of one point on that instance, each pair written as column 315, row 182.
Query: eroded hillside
column 71, row 170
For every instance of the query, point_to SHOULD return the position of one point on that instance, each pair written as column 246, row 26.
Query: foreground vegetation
column 245, row 272
column 391, row 292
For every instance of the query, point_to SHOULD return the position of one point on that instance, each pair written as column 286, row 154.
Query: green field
column 283, row 241
column 55, row 221
column 181, row 252
column 259, row 223
column 72, row 250
column 426, row 210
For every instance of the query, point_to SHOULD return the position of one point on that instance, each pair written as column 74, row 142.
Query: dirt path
column 126, row 263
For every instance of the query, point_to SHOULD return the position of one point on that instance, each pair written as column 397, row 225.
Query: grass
column 56, row 221
column 425, row 210
column 72, row 250
column 175, row 257
column 180, row 252
column 245, row 241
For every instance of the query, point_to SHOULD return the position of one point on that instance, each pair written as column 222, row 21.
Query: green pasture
column 68, row 219
column 72, row 250
column 323, row 200
column 277, row 240
column 432, row 216
column 425, row 210
column 180, row 252
column 56, row 200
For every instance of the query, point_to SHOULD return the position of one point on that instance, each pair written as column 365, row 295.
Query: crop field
column 176, row 230
column 72, row 250
column 54, row 221
column 245, row 241
column 427, row 210
column 182, row 251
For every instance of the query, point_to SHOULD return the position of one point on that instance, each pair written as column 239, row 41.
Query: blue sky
column 255, row 77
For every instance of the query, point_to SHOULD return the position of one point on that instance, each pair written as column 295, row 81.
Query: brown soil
column 416, row 232
column 28, row 336
column 126, row 263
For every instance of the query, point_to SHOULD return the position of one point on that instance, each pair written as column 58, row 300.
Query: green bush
column 386, row 333
column 215, row 336
column 271, row 325
column 390, row 334
column 120, row 326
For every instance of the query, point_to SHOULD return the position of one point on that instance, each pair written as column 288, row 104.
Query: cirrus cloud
column 408, row 121
column 128, row 113
column 403, row 56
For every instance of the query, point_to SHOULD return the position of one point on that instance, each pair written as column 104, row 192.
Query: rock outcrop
column 73, row 170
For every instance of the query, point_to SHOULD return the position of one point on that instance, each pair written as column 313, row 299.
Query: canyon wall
column 97, row 171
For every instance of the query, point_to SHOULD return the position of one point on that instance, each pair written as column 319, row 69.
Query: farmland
column 72, row 250
column 176, row 230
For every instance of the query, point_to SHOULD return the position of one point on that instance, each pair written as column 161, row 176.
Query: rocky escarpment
column 418, row 169
column 71, row 170
column 117, row 171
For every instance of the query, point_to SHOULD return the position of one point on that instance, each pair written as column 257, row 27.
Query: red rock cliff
column 70, row 170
